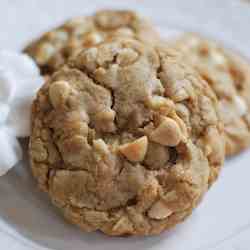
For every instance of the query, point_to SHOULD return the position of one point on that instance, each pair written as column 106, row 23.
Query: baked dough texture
column 55, row 47
column 228, row 74
column 125, row 138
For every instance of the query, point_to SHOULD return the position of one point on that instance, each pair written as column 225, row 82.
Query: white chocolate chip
column 58, row 36
column 240, row 105
column 123, row 226
column 93, row 38
column 44, row 53
column 170, row 196
column 136, row 150
column 168, row 133
column 164, row 105
column 104, row 120
column 218, row 58
column 182, row 125
column 58, row 93
column 101, row 146
column 159, row 211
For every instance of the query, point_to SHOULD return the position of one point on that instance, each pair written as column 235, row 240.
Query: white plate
column 222, row 221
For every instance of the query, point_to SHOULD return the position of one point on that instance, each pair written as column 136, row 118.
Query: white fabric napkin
column 19, row 81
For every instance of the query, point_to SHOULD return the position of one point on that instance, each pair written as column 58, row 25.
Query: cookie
column 229, row 76
column 126, row 139
column 54, row 48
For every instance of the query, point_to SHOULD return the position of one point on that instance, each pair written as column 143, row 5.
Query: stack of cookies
column 129, row 131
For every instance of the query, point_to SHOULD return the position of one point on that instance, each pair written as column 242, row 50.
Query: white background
column 222, row 222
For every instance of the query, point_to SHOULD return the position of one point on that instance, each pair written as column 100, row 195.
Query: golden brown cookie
column 126, row 139
column 54, row 48
column 229, row 76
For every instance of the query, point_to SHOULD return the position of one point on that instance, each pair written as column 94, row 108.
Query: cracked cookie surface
column 54, row 48
column 229, row 76
column 126, row 139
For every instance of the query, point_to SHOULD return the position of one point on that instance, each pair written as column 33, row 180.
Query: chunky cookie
column 53, row 48
column 229, row 76
column 126, row 139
